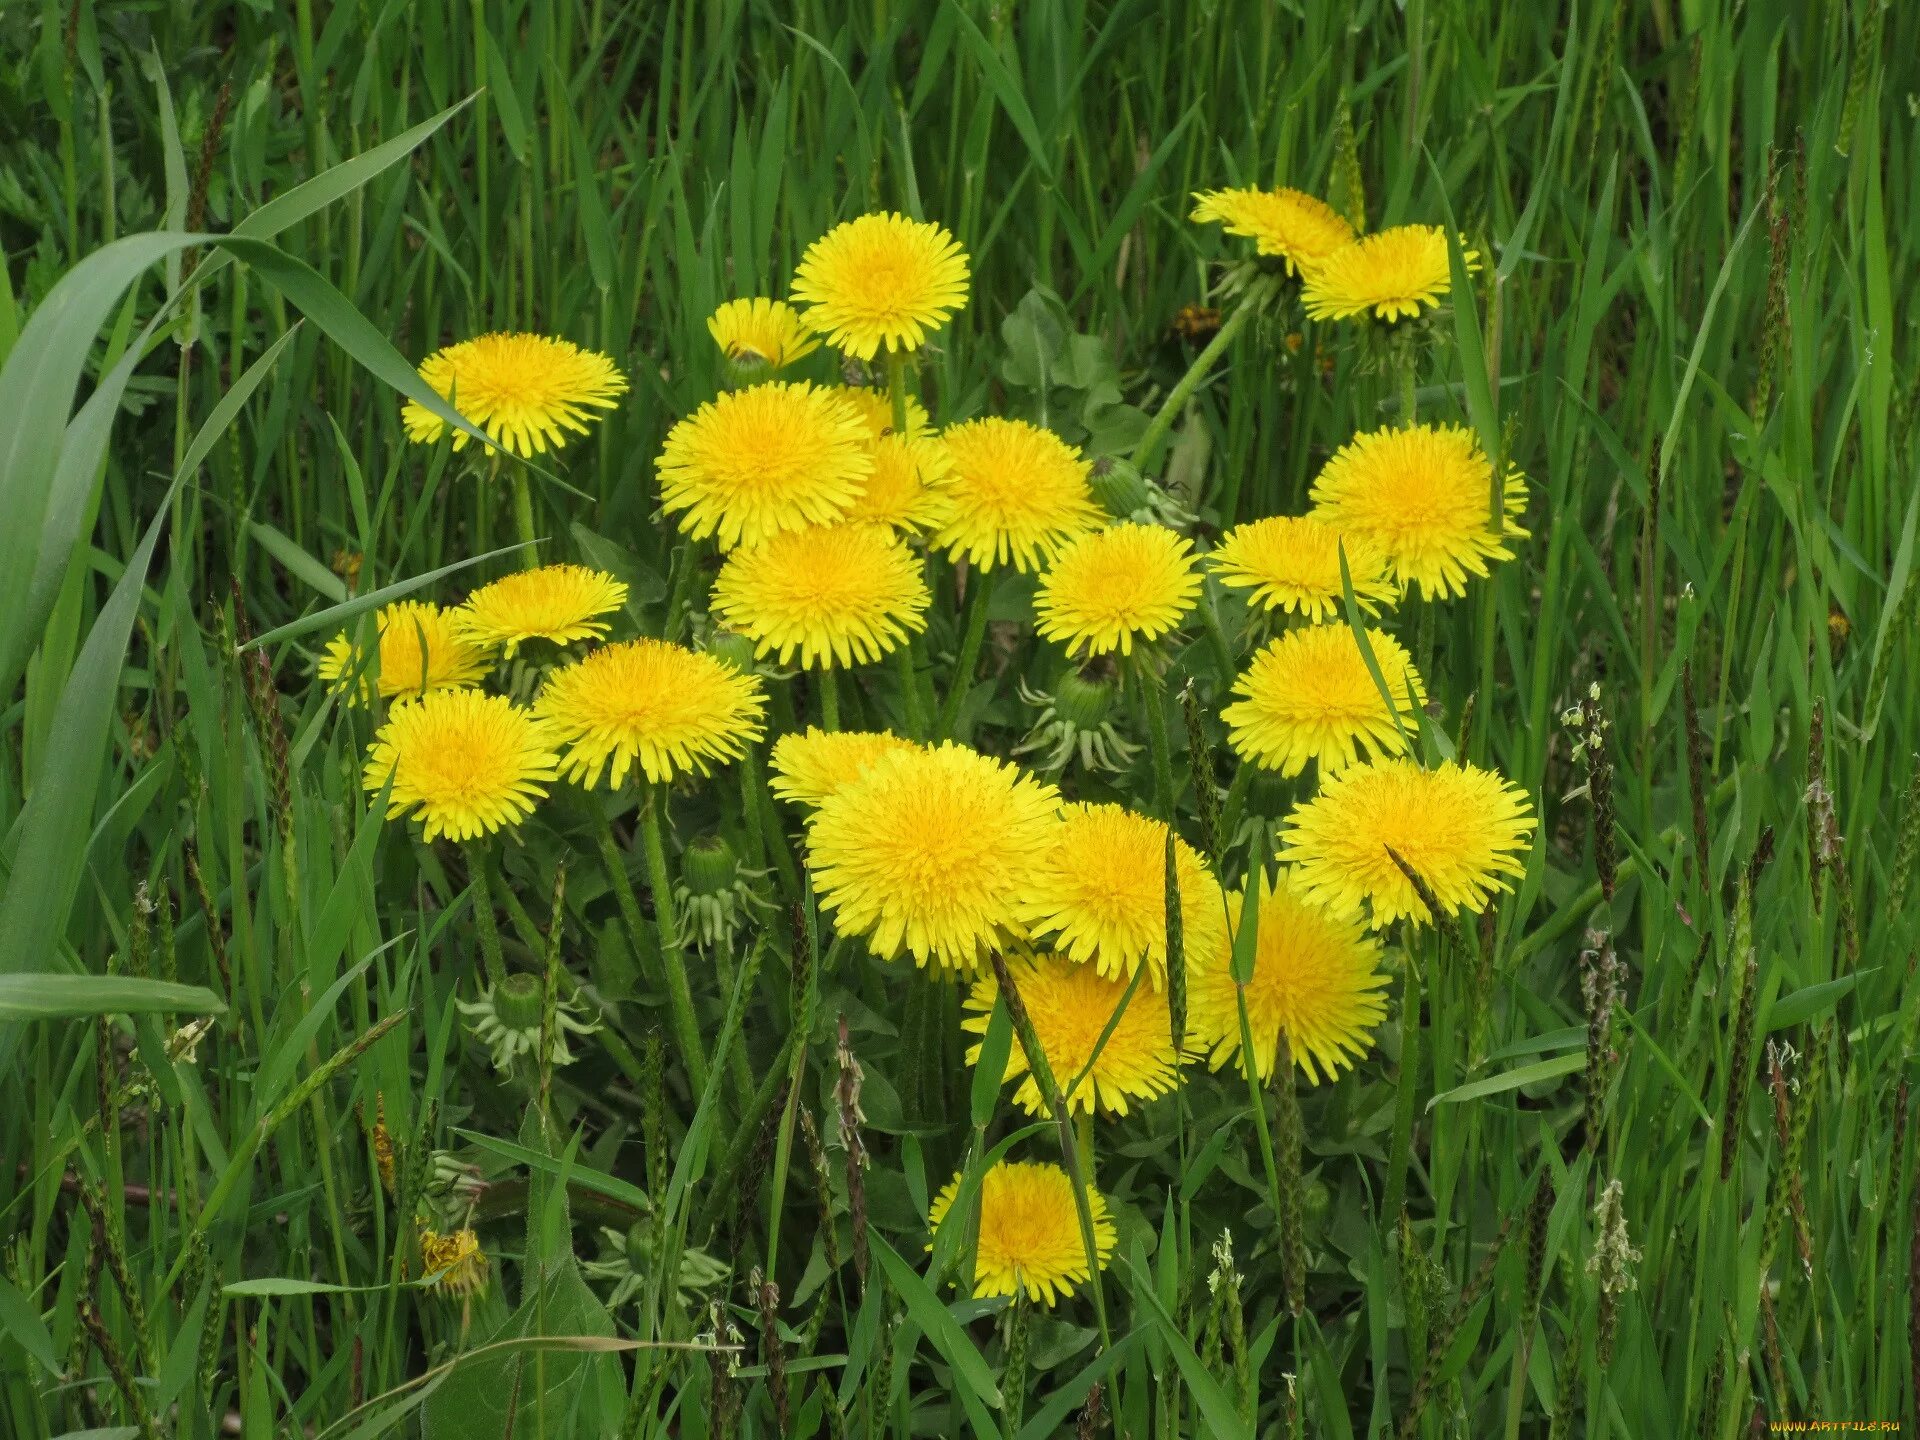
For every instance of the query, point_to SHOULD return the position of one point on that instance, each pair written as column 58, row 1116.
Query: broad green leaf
column 64, row 997
column 1512, row 1079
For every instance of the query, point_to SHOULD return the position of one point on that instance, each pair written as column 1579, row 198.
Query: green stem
column 673, row 963
column 1404, row 1107
column 523, row 515
column 616, row 867
column 1148, row 449
column 897, row 389
column 978, row 584
column 914, row 715
column 1083, row 1134
column 1236, row 804
column 1404, row 377
column 478, row 871
column 680, row 599
column 1153, row 697
column 829, row 698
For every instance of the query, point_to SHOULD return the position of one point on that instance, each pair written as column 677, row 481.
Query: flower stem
column 1145, row 453
column 897, row 389
column 976, row 631
column 1153, row 697
column 673, row 963
column 479, row 864
column 523, row 515
column 1083, row 1135
column 913, row 714
column 829, row 698
column 629, row 903
column 679, row 600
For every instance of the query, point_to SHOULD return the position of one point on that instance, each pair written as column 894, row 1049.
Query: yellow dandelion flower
column 1106, row 589
column 1014, row 492
column 875, row 408
column 809, row 767
column 464, row 762
column 1391, row 273
column 1462, row 830
column 1420, row 494
column 421, row 649
column 1030, row 1231
column 1100, row 892
column 453, row 1262
column 903, row 489
column 836, row 594
column 675, row 711
column 924, row 852
column 1300, row 228
column 523, row 392
column 881, row 281
column 561, row 603
column 1070, row 1005
column 1309, row 696
column 1291, row 563
column 760, row 333
column 1316, row 981
column 761, row 460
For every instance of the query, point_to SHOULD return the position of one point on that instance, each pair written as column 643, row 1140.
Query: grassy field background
column 1698, row 221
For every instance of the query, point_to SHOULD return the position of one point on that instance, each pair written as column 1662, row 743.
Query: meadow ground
column 1443, row 966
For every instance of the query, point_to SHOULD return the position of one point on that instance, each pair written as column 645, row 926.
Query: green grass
column 1696, row 220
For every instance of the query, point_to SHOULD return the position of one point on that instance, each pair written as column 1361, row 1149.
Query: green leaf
column 1512, row 1079
column 1803, row 1004
column 20, row 1320
column 287, row 551
column 990, row 1070
column 64, row 997
column 338, row 615
column 937, row 1323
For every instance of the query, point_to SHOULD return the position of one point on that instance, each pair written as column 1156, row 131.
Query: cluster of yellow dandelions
column 467, row 762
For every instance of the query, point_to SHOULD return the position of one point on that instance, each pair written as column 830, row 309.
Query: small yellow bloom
column 1030, row 1231
column 834, row 594
column 561, row 603
column 1015, row 492
column 1070, row 1005
column 881, row 281
column 1420, row 494
column 760, row 333
column 671, row 710
column 1300, row 228
column 1316, row 983
column 421, row 649
column 1392, row 273
column 807, row 768
column 524, row 392
column 764, row 459
column 1309, row 696
column 903, row 490
column 1291, row 563
column 1100, row 891
column 1107, row 589
column 1463, row 830
column 923, row 854
column 466, row 763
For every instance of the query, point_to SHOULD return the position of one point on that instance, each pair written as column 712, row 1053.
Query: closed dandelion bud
column 715, row 896
column 733, row 649
column 1078, row 722
column 1120, row 488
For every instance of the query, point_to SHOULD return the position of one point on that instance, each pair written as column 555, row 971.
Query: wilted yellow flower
column 760, row 333
column 465, row 763
column 761, row 460
column 523, row 392
column 1291, row 563
column 835, row 594
column 672, row 710
column 881, row 280
column 453, row 1262
column 1300, row 228
column 561, row 603
column 1316, row 981
column 1030, row 1231
column 1461, row 829
column 1391, row 273
column 1421, row 494
column 1116, row 585
column 1100, row 891
column 808, row 768
column 1014, row 492
column 421, row 649
column 924, row 852
column 1070, row 1005
column 1309, row 696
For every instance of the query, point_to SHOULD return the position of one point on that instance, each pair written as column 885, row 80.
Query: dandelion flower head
column 1309, row 696
column 1013, row 492
column 832, row 594
column 1391, row 274
column 421, row 648
column 524, row 392
column 463, row 762
column 1300, row 228
column 1030, row 1231
column 1107, row 589
column 760, row 333
column 560, row 603
column 881, row 281
column 807, row 768
column 1291, row 563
